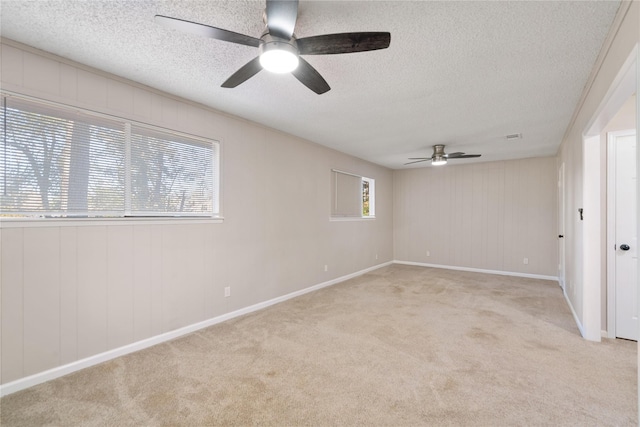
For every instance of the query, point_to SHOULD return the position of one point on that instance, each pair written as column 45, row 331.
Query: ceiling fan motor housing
column 439, row 157
column 270, row 42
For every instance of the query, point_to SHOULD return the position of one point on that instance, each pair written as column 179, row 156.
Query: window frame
column 371, row 195
column 125, row 217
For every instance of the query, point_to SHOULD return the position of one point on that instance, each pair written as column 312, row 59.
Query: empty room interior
column 319, row 212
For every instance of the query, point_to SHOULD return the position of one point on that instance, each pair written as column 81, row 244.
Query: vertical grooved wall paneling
column 486, row 215
column 12, row 253
column 120, row 287
column 93, row 294
column 41, row 290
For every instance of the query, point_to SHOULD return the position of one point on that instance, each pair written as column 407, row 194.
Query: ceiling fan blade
column 281, row 17
column 465, row 156
column 452, row 155
column 247, row 71
column 418, row 161
column 309, row 77
column 420, row 158
column 206, row 31
column 343, row 43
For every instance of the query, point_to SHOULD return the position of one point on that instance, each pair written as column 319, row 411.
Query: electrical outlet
column 376, row 256
column 227, row 291
column 525, row 261
column 428, row 253
column 326, row 267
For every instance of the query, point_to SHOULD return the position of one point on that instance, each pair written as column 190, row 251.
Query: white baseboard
column 479, row 270
column 60, row 371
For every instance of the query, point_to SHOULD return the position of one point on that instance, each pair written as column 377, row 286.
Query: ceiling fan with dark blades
column 280, row 49
column 439, row 157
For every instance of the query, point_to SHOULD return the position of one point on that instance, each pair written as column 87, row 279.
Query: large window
column 353, row 195
column 57, row 161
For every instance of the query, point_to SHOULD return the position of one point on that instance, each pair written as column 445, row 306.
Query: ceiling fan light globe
column 439, row 161
column 278, row 57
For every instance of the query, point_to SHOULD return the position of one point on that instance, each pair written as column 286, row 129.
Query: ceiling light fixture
column 438, row 160
column 278, row 55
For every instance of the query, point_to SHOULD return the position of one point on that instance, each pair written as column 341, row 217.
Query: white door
column 625, row 249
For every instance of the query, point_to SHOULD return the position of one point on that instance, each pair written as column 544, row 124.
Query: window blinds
column 347, row 195
column 60, row 162
column 171, row 175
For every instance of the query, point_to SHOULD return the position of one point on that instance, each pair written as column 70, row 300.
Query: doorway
column 595, row 305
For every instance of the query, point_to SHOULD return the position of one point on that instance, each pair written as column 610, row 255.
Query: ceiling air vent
column 514, row 136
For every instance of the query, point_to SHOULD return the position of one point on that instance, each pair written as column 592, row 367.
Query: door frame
column 562, row 207
column 623, row 86
column 611, row 229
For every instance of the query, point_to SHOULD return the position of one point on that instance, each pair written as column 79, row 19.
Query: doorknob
column 560, row 236
column 624, row 247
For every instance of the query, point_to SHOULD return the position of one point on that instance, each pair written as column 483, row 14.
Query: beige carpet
column 399, row 346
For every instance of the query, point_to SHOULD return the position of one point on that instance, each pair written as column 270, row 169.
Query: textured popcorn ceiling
column 464, row 74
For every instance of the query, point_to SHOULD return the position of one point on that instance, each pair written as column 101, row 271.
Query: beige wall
column 486, row 216
column 570, row 153
column 69, row 292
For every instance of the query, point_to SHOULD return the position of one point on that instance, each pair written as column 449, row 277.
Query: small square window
column 353, row 196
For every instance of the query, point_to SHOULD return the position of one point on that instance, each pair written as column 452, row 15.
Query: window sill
column 84, row 222
column 351, row 218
